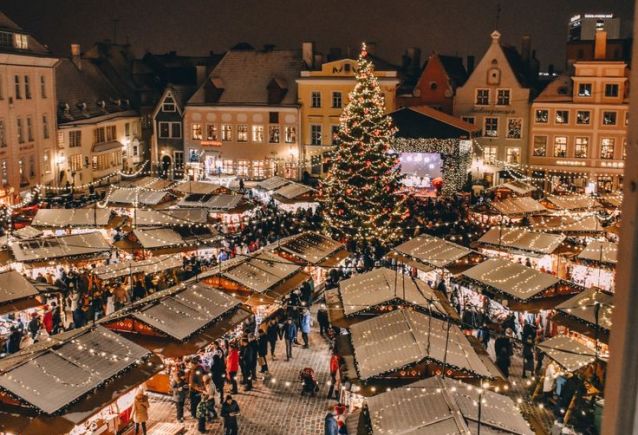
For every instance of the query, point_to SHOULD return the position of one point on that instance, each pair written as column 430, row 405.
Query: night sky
column 194, row 27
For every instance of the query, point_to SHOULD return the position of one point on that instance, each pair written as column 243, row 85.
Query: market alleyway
column 271, row 408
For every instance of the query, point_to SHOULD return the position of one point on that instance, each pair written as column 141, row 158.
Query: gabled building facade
column 578, row 131
column 27, row 112
column 99, row 133
column 496, row 97
column 323, row 93
column 437, row 84
column 244, row 119
column 168, row 132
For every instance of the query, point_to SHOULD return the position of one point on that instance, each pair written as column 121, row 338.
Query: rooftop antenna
column 498, row 15
column 115, row 22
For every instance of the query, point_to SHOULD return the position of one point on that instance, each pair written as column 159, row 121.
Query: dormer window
column 21, row 41
column 82, row 106
column 6, row 39
column 168, row 105
column 102, row 104
column 584, row 89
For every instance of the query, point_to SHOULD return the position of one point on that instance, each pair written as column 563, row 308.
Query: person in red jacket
column 47, row 319
column 334, row 369
column 232, row 366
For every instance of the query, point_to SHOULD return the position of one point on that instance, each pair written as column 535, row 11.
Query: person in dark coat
column 56, row 318
column 330, row 424
column 263, row 350
column 15, row 337
column 323, row 320
column 230, row 412
column 528, row 356
column 139, row 292
column 218, row 371
column 273, row 333
column 34, row 326
column 290, row 334
column 504, row 350
column 245, row 364
column 253, row 344
column 180, row 390
column 79, row 317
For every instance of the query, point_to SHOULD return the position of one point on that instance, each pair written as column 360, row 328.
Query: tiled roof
column 245, row 76
column 35, row 47
column 454, row 67
column 82, row 90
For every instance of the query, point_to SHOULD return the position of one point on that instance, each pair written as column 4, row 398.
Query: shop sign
column 210, row 143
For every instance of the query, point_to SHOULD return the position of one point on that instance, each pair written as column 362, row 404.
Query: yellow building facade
column 322, row 96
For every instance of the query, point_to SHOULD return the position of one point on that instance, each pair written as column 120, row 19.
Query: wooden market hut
column 133, row 268
column 201, row 187
column 73, row 218
column 588, row 313
column 70, row 249
column 438, row 406
column 518, row 207
column 405, row 345
column 600, row 252
column 316, row 252
column 170, row 217
column 380, row 291
column 294, row 196
column 426, row 253
column 18, row 293
column 612, row 201
column 169, row 240
column 595, row 266
column 84, row 380
column 573, row 203
column 515, row 286
column 179, row 321
column 262, row 279
column 514, row 188
column 228, row 208
column 131, row 197
column 570, row 226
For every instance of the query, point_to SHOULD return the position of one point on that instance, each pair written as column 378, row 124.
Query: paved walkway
column 275, row 406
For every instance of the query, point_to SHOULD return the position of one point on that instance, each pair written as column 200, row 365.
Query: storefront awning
column 273, row 183
column 518, row 238
column 573, row 202
column 404, row 337
column 293, row 191
column 141, row 197
column 440, row 406
column 311, row 247
column 261, row 272
column 566, row 224
column 170, row 217
column 107, row 146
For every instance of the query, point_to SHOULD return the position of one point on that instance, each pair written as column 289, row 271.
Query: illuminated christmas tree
column 360, row 190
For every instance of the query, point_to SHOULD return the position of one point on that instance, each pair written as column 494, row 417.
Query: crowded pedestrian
column 230, row 412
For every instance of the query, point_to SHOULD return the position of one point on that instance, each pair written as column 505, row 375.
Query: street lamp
column 59, row 160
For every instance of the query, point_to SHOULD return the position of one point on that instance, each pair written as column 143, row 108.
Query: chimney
column 600, row 45
column 371, row 47
column 318, row 60
column 200, row 74
column 76, row 58
column 308, row 54
column 526, row 48
column 470, row 64
column 414, row 56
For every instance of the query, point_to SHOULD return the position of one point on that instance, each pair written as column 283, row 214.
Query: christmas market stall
column 405, row 345
column 317, row 253
column 434, row 258
column 179, row 321
column 154, row 241
column 72, row 220
column 294, row 196
column 125, row 197
column 507, row 210
column 438, row 406
column 82, row 382
column 611, row 202
column 587, row 317
column 229, row 209
column 542, row 251
column 571, row 203
column 20, row 299
column 201, row 187
column 595, row 266
column 263, row 190
column 76, row 249
column 513, row 188
column 131, row 270
column 577, row 372
column 169, row 217
column 497, row 286
column 380, row 291
column 578, row 228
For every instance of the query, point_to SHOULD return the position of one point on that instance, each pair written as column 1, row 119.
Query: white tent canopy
column 71, row 217
column 518, row 206
column 432, row 250
column 58, row 247
column 261, row 272
column 573, row 202
column 600, row 251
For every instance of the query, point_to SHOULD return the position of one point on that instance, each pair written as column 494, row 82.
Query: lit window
column 583, row 117
column 315, row 134
column 211, row 132
column 196, row 131
column 560, row 146
column 227, row 132
column 581, row 147
column 489, row 155
column 540, row 146
column 513, row 155
column 290, row 134
column 514, row 128
column 541, row 116
column 607, row 148
column 242, row 133
column 258, row 133
column 490, row 127
column 273, row 134
column 21, row 41
column 562, row 117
